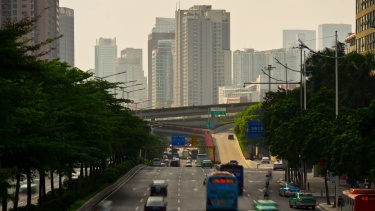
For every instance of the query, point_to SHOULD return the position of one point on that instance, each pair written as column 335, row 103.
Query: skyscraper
column 67, row 30
column 203, row 55
column 162, row 74
column 291, row 37
column 47, row 25
column 164, row 29
column 326, row 34
column 105, row 58
column 130, row 62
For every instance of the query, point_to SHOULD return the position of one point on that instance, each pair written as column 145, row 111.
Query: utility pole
column 337, row 113
column 286, row 78
column 269, row 68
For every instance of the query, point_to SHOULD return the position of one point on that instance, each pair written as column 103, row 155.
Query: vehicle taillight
column 300, row 200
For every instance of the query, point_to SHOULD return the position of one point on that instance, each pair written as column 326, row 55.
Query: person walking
column 266, row 194
column 267, row 181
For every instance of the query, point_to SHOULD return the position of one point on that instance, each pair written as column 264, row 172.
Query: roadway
column 185, row 184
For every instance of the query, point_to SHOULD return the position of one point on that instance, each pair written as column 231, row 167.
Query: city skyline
column 131, row 21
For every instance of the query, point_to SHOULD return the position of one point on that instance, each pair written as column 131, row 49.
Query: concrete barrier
column 110, row 189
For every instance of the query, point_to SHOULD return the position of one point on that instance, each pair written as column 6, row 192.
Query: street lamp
column 136, row 105
column 123, row 87
column 101, row 78
column 127, row 93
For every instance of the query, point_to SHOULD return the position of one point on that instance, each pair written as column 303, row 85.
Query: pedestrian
column 308, row 186
column 267, row 181
column 270, row 173
column 266, row 194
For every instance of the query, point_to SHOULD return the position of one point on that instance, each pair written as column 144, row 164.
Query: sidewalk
column 317, row 187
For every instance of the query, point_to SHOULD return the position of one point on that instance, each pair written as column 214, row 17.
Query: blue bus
column 222, row 191
column 237, row 171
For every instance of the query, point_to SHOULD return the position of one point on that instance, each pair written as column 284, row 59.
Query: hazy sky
column 255, row 24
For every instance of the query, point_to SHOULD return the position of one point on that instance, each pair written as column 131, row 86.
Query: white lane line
column 178, row 208
column 141, row 200
column 178, row 200
column 137, row 208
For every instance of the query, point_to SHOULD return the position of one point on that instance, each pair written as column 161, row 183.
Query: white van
column 156, row 162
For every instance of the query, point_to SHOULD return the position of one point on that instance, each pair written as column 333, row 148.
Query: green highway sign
column 218, row 113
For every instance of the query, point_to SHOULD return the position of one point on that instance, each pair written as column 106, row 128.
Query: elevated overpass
column 190, row 110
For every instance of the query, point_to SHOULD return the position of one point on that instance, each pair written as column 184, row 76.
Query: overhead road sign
column 178, row 140
column 218, row 111
column 255, row 129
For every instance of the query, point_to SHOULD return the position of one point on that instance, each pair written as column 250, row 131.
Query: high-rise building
column 364, row 30
column 105, row 58
column 67, row 30
column 47, row 25
column 203, row 55
column 249, row 65
column 162, row 74
column 133, row 79
column 326, row 34
column 291, row 38
column 164, row 29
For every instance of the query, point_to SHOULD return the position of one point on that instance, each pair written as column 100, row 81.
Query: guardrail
column 110, row 189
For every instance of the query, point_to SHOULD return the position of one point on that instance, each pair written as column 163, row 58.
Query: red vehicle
column 358, row 200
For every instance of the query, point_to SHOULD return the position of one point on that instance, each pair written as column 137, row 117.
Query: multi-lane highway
column 185, row 184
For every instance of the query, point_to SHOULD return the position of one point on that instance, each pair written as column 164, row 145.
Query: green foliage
column 344, row 143
column 53, row 115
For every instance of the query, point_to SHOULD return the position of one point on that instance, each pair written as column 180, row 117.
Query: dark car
column 159, row 188
column 155, row 203
column 174, row 163
column 206, row 163
column 305, row 200
column 231, row 137
column 289, row 189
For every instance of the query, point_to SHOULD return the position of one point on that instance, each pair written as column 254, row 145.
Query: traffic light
column 194, row 140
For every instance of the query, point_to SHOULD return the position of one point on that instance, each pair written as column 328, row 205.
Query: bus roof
column 221, row 173
column 354, row 192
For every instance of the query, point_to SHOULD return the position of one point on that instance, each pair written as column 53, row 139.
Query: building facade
column 162, row 74
column 291, row 38
column 164, row 29
column 67, row 30
column 249, row 64
column 203, row 55
column 326, row 34
column 47, row 25
column 105, row 58
column 130, row 72
column 365, row 26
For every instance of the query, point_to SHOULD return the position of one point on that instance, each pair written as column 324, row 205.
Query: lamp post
column 101, row 78
column 269, row 68
column 124, row 87
column 127, row 93
column 136, row 105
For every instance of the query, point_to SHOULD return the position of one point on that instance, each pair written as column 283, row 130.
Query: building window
column 14, row 12
column 24, row 5
column 24, row 12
